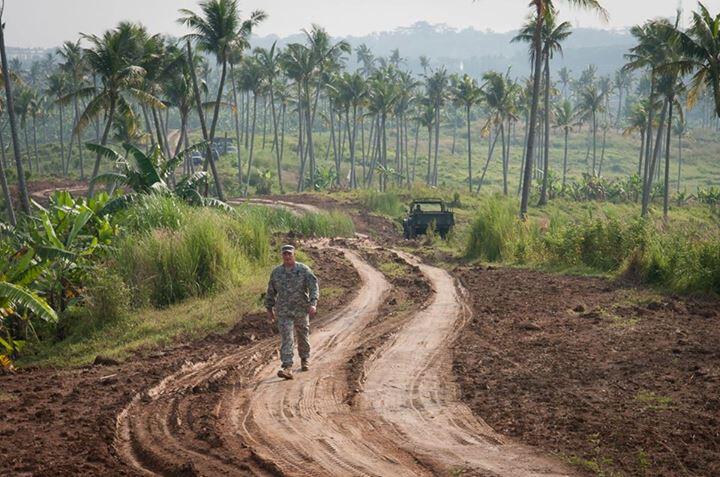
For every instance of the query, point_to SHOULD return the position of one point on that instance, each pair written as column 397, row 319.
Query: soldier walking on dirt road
column 291, row 298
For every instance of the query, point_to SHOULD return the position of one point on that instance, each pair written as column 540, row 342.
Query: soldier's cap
column 287, row 248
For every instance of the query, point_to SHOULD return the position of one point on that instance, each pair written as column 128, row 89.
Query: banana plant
column 151, row 174
column 19, row 303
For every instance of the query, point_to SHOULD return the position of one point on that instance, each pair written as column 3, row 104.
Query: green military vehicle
column 424, row 212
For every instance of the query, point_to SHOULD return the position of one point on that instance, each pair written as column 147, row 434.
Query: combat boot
column 285, row 373
column 305, row 365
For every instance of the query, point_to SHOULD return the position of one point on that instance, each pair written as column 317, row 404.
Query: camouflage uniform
column 291, row 292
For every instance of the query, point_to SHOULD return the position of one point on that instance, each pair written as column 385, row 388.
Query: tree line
column 128, row 86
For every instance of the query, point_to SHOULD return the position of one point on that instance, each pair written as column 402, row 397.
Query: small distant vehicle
column 423, row 213
column 196, row 158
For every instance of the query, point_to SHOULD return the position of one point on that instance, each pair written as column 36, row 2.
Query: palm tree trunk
column 236, row 117
column 546, row 152
column 620, row 97
column 522, row 158
column 252, row 144
column 469, row 147
column 437, row 145
column 208, row 136
column 647, row 189
column 62, row 139
column 452, row 152
column 649, row 128
column 103, row 142
column 415, row 151
column 527, row 173
column 282, row 131
column 504, row 163
column 265, row 109
column 428, row 178
column 565, row 158
column 276, row 141
column 28, row 151
column 666, row 198
column 594, row 143
column 6, row 189
column 301, row 149
column 35, row 145
column 602, row 150
column 680, row 149
column 79, row 139
column 491, row 152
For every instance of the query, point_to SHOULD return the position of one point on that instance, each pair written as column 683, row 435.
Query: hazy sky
column 46, row 23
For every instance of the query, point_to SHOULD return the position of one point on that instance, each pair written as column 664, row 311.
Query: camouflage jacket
column 291, row 291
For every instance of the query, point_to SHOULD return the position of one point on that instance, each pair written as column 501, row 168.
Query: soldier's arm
column 270, row 294
column 312, row 286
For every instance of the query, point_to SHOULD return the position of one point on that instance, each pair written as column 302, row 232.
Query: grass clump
column 684, row 257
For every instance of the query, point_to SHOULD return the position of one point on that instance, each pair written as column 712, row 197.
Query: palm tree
column 650, row 52
column 10, row 106
column 638, row 123
column 23, row 105
column 353, row 93
column 565, row 118
column 424, row 64
column 565, row 80
column 426, row 119
column 500, row 97
column 251, row 80
column 681, row 130
column 383, row 93
column 541, row 7
column 217, row 31
column 467, row 93
column 366, row 59
column 552, row 35
column 115, row 58
column 436, row 86
column 700, row 47
column 268, row 61
column 591, row 102
column 622, row 82
column 3, row 181
column 75, row 67
column 57, row 89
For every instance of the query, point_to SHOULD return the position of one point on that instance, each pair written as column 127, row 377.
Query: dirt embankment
column 611, row 378
column 62, row 422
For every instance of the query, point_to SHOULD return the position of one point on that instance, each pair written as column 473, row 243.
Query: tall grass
column 279, row 220
column 384, row 203
column 205, row 254
column 680, row 258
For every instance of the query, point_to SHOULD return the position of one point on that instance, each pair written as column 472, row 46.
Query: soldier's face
column 288, row 258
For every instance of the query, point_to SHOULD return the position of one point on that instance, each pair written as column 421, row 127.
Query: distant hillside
column 466, row 50
column 475, row 51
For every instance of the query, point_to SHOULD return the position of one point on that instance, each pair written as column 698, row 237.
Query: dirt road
column 232, row 416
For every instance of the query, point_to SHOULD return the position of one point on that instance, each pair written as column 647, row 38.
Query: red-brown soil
column 591, row 370
column 62, row 422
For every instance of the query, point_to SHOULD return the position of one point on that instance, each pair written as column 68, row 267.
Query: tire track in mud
column 408, row 420
column 409, row 385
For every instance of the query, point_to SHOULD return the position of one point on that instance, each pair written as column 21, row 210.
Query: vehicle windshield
column 427, row 207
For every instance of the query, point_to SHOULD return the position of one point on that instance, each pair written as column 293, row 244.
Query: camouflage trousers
column 301, row 326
